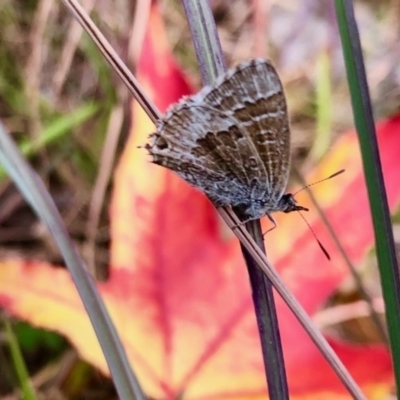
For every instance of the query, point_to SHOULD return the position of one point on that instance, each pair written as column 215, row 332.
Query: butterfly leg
column 271, row 218
column 242, row 223
column 242, row 215
column 253, row 219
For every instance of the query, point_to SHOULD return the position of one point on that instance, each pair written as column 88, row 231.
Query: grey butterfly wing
column 209, row 150
column 252, row 93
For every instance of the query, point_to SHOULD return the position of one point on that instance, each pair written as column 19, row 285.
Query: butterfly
column 231, row 140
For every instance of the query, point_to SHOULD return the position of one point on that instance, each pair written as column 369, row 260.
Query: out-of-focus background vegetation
column 70, row 114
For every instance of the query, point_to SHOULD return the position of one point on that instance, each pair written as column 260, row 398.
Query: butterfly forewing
column 252, row 93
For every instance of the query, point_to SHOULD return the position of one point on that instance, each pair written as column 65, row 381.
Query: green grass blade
column 364, row 121
column 56, row 130
column 27, row 390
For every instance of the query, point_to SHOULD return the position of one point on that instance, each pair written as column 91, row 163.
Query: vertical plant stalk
column 363, row 115
column 210, row 59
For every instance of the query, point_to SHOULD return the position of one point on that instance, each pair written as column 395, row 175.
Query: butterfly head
column 287, row 204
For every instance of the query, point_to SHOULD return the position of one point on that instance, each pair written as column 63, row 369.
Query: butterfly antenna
column 321, row 180
column 315, row 236
column 302, row 216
